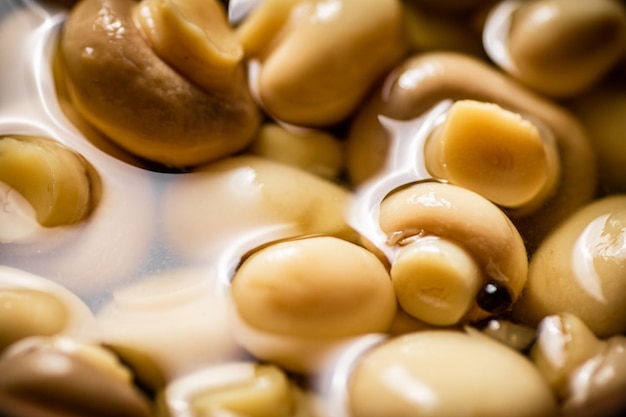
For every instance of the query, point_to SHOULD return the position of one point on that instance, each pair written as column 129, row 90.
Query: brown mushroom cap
column 46, row 381
column 120, row 85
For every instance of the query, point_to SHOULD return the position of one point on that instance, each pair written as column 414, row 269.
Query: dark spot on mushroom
column 494, row 297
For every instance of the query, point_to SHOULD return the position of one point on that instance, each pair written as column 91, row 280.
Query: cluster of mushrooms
column 320, row 208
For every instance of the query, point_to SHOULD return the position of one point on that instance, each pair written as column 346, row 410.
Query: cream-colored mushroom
column 601, row 378
column 31, row 305
column 427, row 79
column 581, row 368
column 308, row 78
column 564, row 342
column 26, row 312
column 62, row 187
column 318, row 291
column 458, row 258
column 494, row 152
column 446, row 373
column 311, row 150
column 562, row 47
column 129, row 91
column 579, row 269
column 151, row 322
column 241, row 197
column 75, row 378
column 237, row 389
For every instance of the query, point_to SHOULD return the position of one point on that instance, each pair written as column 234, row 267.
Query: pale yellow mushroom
column 92, row 256
column 494, row 152
column 427, row 79
column 27, row 312
column 446, row 373
column 150, row 324
column 306, row 77
column 75, row 378
column 311, row 150
column 138, row 97
column 582, row 369
column 579, row 269
column 458, row 258
column 317, row 290
column 601, row 380
column 563, row 47
column 31, row 305
column 60, row 185
column 314, row 287
column 237, row 198
column 235, row 389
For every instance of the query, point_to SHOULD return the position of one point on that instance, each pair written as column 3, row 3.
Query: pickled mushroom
column 128, row 91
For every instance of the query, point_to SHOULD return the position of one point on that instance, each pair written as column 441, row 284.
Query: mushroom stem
column 494, row 152
column 56, row 181
column 436, row 280
column 194, row 37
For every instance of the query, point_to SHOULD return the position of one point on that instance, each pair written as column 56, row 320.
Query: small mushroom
column 128, row 90
column 582, row 369
column 559, row 48
column 305, row 77
column 60, row 185
column 236, row 388
column 446, row 373
column 296, row 300
column 169, row 324
column 456, row 256
column 77, row 255
column 61, row 377
column 242, row 197
column 589, row 384
column 579, row 269
column 35, row 306
column 564, row 342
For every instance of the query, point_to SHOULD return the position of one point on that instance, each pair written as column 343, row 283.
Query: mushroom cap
column 447, row 373
column 122, row 87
